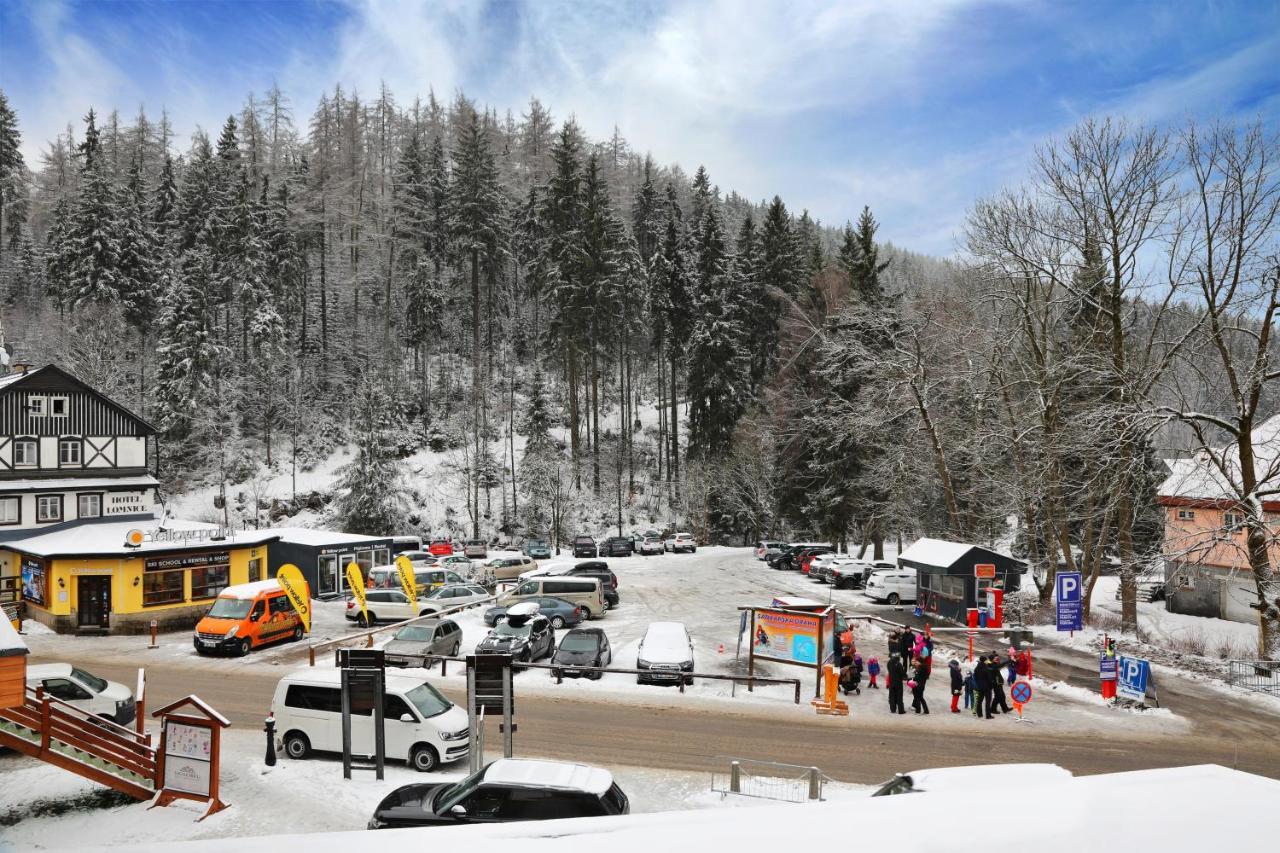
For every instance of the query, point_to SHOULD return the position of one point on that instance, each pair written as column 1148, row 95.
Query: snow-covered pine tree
column 371, row 496
column 92, row 239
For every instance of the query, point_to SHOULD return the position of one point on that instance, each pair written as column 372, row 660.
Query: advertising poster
column 787, row 637
column 33, row 581
column 187, row 756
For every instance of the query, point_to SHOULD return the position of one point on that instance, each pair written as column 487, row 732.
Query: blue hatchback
column 559, row 612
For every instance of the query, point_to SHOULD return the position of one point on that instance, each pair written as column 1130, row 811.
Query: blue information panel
column 1133, row 675
column 1106, row 668
column 1069, row 595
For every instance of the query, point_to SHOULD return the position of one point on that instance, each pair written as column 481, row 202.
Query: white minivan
column 891, row 585
column 421, row 726
column 84, row 690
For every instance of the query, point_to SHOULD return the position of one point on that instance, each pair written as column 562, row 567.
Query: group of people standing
column 910, row 663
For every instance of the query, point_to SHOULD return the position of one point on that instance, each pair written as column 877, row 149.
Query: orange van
column 247, row 616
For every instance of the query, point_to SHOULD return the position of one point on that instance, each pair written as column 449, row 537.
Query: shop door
column 343, row 560
column 94, row 604
column 328, row 575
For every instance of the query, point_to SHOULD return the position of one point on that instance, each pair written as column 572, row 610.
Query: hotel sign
column 125, row 503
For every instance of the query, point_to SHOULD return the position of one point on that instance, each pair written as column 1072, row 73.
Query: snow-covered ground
column 294, row 796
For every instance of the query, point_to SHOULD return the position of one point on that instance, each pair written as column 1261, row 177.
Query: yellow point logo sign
column 295, row 586
column 355, row 583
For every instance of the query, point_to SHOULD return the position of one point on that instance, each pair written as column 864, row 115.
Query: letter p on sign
column 1068, row 586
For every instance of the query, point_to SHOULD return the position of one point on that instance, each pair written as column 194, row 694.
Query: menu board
column 187, row 753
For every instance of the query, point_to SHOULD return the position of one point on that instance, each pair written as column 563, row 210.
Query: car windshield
column 506, row 629
column 230, row 608
column 428, row 700
column 414, row 633
column 579, row 643
column 537, row 543
column 438, row 593
column 96, row 684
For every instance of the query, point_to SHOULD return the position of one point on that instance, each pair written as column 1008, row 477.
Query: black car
column 790, row 559
column 583, row 647
column 585, row 546
column 599, row 570
column 527, row 638
column 618, row 546
column 509, row 789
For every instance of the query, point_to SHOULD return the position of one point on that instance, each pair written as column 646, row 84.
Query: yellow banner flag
column 408, row 580
column 295, row 586
column 355, row 583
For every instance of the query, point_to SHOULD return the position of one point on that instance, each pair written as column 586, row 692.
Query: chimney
column 21, row 367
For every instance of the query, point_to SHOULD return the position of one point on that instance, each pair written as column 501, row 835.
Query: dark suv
column 600, row 571
column 790, row 559
column 509, row 789
column 618, row 546
column 585, row 546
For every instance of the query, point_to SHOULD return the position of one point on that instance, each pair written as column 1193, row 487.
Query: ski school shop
column 952, row 577
column 323, row 556
column 115, row 577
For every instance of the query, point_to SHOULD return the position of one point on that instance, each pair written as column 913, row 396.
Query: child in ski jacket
column 968, row 689
column 873, row 671
column 957, row 685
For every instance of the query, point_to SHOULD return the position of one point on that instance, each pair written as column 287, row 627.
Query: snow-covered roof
column 250, row 590
column 316, row 538
column 1198, row 478
column 549, row 774
column 203, row 706
column 935, row 552
column 10, row 643
column 62, row 484
column 107, row 537
column 961, row 778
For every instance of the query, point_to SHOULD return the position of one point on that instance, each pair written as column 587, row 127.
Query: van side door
column 316, row 711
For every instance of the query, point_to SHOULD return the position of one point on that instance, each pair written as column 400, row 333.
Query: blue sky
column 915, row 108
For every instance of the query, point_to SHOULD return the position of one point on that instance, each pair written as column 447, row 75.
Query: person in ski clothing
column 897, row 676
column 1011, row 667
column 1024, row 664
column 957, row 685
column 918, row 680
column 851, row 675
column 968, row 689
column 906, row 647
column 997, row 686
column 873, row 670
column 982, row 688
column 895, row 648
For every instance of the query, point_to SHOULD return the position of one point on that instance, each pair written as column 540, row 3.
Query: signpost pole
column 508, row 740
column 346, row 723
column 474, row 722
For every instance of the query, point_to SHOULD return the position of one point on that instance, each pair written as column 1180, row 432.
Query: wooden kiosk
column 190, row 735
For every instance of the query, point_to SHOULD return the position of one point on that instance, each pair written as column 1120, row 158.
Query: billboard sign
column 791, row 637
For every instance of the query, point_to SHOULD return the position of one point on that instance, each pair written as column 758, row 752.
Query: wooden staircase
column 89, row 746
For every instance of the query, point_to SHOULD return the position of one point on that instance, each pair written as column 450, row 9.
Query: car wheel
column 424, row 759
column 893, row 598
column 297, row 633
column 557, row 622
column 586, row 614
column 457, row 647
column 244, row 648
column 595, row 676
column 296, row 745
column 361, row 620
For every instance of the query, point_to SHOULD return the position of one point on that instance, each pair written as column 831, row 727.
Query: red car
column 441, row 547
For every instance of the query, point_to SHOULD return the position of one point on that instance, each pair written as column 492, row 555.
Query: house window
column 89, row 506
column 69, row 451
column 162, row 587
column 25, row 453
column 1232, row 521
column 35, row 407
column 48, row 508
column 10, row 510
column 1186, row 515
column 58, row 407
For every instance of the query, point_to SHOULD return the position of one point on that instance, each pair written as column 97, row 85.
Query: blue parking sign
column 1069, row 597
column 1133, row 676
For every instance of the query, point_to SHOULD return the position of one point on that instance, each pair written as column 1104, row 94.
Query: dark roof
column 14, row 380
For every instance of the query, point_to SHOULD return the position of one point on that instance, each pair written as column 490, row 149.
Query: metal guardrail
column 1259, row 676
column 790, row 783
column 368, row 633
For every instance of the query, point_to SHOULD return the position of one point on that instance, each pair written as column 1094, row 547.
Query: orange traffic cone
column 721, row 649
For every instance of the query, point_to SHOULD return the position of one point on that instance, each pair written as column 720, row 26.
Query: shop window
column 69, row 451
column 25, row 453
column 162, row 588
column 48, row 508
column 207, row 582
column 88, row 506
column 255, row 570
column 365, row 560
column 382, row 557
column 11, row 510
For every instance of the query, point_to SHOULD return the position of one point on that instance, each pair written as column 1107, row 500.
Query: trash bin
column 982, row 618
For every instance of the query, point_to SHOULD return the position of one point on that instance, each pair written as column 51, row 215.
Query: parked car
column 475, row 549
column 457, row 562
column 651, row 546
column 891, row 586
column 84, row 691
column 585, row 592
column 560, row 613
column 384, row 605
column 509, row 789
column 419, row 558
column 441, row 546
column 767, row 548
column 508, row 568
column 806, row 558
column 585, row 546
column 426, row 577
column 404, row 544
column 665, row 652
column 618, row 546
column 583, row 647
column 682, row 542
column 822, row 568
column 538, row 549
column 788, row 559
column 246, row 616
column 597, row 569
column 853, row 573
column 428, row 637
column 453, row 595
column 420, row 725
column 527, row 637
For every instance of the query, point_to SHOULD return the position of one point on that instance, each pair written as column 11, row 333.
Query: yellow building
column 117, row 576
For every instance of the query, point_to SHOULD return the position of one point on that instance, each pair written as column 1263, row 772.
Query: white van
column 584, row 592
column 421, row 726
column 891, row 585
column 84, row 690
